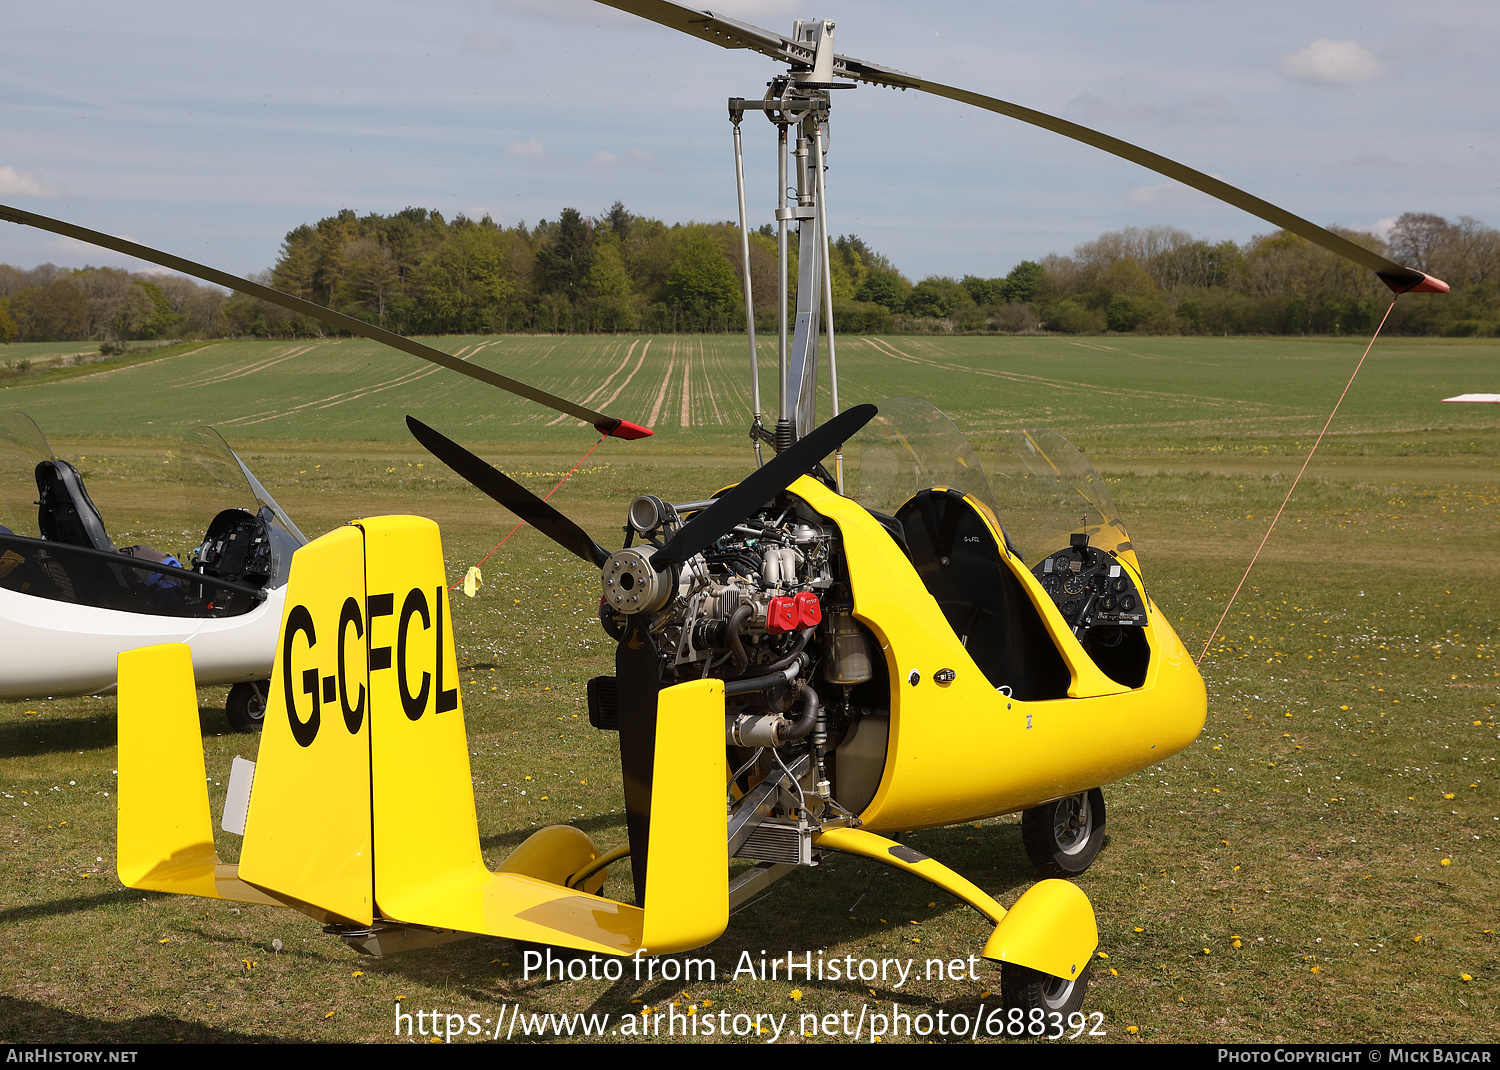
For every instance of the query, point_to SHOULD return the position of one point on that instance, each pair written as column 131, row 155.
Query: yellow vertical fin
column 423, row 798
column 166, row 834
column 687, row 871
column 308, row 836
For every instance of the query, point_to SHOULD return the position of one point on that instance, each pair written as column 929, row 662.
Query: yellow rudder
column 166, row 833
column 426, row 830
column 687, row 870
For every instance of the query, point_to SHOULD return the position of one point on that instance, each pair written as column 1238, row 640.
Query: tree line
column 414, row 272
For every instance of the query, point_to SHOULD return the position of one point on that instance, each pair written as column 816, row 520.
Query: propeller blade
column 728, row 33
column 510, row 494
column 605, row 425
column 637, row 684
column 761, row 486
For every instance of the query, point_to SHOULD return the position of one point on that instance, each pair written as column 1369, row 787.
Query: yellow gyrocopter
column 868, row 634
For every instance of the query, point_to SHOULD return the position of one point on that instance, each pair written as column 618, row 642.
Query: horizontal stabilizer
column 431, row 872
column 362, row 810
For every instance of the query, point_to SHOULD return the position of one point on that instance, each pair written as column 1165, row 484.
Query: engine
column 767, row 609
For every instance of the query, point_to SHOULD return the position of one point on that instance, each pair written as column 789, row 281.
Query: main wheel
column 1063, row 838
column 1021, row 986
column 246, row 705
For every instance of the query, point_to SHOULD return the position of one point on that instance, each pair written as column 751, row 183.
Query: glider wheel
column 246, row 705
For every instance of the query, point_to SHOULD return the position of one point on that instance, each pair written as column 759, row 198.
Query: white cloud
column 530, row 149
column 72, row 250
column 1382, row 227
column 641, row 156
column 1332, row 63
column 1169, row 193
column 475, row 41
column 604, row 159
column 24, row 183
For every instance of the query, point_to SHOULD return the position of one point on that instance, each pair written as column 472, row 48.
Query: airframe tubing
column 1051, row 928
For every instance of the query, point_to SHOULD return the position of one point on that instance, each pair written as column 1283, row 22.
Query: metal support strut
column 757, row 428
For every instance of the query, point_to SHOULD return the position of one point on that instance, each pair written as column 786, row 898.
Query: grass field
column 1319, row 865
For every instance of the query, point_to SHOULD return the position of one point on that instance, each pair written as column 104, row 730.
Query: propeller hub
column 631, row 585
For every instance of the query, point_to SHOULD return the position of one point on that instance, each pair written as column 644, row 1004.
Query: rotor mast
column 798, row 104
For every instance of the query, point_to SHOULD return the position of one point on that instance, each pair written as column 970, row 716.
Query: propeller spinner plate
column 631, row 585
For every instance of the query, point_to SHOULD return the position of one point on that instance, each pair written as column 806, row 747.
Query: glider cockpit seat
column 960, row 563
column 66, row 515
column 65, row 512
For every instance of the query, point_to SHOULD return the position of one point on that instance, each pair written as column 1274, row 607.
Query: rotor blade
column 729, row 33
column 510, row 494
column 1400, row 279
column 762, row 485
column 716, row 29
column 605, row 425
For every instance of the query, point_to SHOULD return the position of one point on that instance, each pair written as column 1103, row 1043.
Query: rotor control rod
column 739, row 180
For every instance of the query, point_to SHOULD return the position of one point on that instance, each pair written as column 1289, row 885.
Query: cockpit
column 54, row 542
column 1042, row 509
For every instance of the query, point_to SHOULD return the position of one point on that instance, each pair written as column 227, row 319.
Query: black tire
column 1032, row 990
column 246, row 705
column 1063, row 837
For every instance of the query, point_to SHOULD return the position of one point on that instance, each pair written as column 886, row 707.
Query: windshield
column 215, row 468
column 1041, row 489
column 134, row 498
column 22, row 448
column 213, row 475
column 1048, row 491
column 909, row 447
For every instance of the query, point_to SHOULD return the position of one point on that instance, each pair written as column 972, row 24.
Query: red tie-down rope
column 518, row 527
column 1293, row 487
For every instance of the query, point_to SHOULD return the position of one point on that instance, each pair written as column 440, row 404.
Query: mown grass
column 1318, row 866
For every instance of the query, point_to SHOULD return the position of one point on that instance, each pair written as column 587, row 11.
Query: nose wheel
column 1063, row 837
column 1032, row 990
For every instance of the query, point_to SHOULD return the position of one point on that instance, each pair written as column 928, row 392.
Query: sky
column 211, row 129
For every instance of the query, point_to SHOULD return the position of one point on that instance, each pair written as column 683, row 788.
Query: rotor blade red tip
column 1412, row 281
column 624, row 429
column 1429, row 285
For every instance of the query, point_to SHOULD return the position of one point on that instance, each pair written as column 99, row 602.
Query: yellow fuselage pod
column 961, row 750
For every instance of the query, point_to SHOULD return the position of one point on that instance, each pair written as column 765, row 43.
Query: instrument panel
column 1091, row 589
